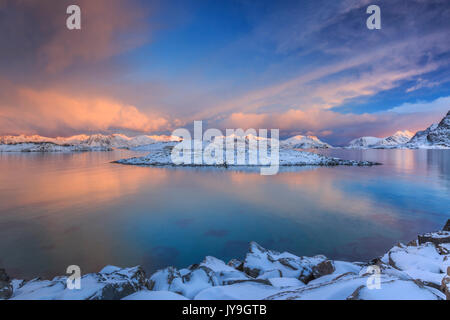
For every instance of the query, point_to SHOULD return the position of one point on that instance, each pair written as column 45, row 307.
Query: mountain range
column 398, row 138
column 436, row 136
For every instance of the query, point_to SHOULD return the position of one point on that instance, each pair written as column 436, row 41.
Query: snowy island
column 419, row 270
column 160, row 154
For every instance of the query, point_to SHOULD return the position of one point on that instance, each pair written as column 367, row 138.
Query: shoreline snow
column 419, row 270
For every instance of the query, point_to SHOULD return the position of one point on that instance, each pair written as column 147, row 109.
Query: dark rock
column 120, row 285
column 6, row 289
column 237, row 264
column 435, row 237
column 447, row 226
column 261, row 281
column 323, row 268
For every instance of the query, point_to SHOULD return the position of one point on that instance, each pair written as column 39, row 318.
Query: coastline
column 419, row 270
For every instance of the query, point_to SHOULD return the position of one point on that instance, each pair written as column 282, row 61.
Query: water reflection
column 61, row 209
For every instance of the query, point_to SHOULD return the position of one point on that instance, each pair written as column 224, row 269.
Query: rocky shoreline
column 419, row 270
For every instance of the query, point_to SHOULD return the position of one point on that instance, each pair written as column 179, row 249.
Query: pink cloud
column 52, row 111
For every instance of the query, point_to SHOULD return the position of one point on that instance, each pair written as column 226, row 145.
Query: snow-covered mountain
column 363, row 142
column 400, row 137
column 397, row 139
column 304, row 142
column 95, row 142
column 435, row 136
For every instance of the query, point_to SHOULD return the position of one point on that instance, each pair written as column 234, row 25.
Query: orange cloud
column 52, row 111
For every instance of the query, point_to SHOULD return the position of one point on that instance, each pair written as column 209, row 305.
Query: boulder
column 324, row 268
column 260, row 260
column 424, row 263
column 112, row 283
column 188, row 282
column 435, row 237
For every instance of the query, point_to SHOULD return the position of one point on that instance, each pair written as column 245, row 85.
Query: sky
column 149, row 67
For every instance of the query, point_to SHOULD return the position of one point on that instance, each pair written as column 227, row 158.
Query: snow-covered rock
column 188, row 282
column 435, row 237
column 435, row 136
column 304, row 142
column 422, row 263
column 353, row 287
column 108, row 284
column 259, row 262
column 396, row 289
column 285, row 282
column 417, row 271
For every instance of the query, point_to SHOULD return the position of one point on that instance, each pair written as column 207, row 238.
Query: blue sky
column 305, row 67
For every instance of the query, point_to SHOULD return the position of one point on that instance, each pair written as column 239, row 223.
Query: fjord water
column 62, row 209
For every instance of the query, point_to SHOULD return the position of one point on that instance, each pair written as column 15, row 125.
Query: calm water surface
column 63, row 209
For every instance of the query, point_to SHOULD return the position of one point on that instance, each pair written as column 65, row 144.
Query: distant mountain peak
column 435, row 136
column 304, row 142
column 398, row 138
